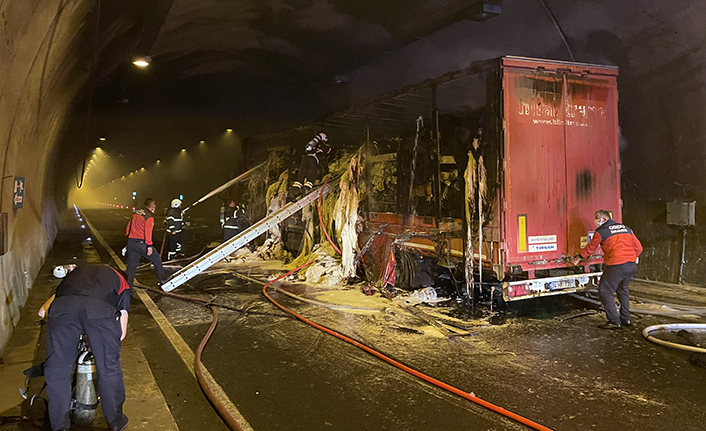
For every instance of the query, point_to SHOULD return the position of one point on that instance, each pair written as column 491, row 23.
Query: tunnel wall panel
column 40, row 80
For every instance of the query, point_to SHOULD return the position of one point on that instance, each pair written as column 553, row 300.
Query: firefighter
column 621, row 250
column 175, row 229
column 139, row 242
column 315, row 153
column 93, row 300
column 234, row 220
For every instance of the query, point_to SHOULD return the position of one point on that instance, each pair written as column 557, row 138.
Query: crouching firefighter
column 91, row 300
column 175, row 229
column 315, row 153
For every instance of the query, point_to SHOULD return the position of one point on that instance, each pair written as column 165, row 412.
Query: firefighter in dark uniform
column 621, row 250
column 139, row 242
column 175, row 229
column 93, row 300
column 316, row 152
column 234, row 221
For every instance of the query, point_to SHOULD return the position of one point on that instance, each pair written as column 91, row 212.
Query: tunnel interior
column 75, row 112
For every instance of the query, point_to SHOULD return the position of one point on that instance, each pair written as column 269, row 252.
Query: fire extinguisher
column 85, row 399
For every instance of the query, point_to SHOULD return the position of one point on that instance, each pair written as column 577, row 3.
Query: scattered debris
column 326, row 270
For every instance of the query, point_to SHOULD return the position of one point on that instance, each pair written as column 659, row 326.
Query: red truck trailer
column 550, row 149
column 560, row 163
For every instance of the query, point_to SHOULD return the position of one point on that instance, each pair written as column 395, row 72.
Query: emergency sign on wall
column 18, row 194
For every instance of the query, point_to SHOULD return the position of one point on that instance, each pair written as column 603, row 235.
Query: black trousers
column 229, row 231
column 136, row 249
column 308, row 171
column 175, row 241
column 616, row 279
column 69, row 318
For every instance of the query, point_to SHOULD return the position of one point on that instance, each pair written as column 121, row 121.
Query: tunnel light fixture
column 484, row 10
column 98, row 148
column 183, row 150
column 102, row 138
column 229, row 130
column 142, row 61
column 202, row 142
column 159, row 161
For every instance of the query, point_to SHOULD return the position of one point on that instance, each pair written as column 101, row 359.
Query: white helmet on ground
column 59, row 271
column 176, row 203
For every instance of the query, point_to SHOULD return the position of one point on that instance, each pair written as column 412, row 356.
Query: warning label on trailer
column 536, row 248
column 541, row 239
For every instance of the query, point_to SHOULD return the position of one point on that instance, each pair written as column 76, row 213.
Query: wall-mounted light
column 142, row 61
column 183, row 150
column 484, row 10
column 102, row 138
column 229, row 130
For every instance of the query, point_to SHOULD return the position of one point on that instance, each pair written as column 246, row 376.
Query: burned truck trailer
column 502, row 174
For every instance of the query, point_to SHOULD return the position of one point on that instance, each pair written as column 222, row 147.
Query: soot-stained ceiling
column 254, row 58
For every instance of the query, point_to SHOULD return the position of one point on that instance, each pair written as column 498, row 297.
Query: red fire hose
column 401, row 366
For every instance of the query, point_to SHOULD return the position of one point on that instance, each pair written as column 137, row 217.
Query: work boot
column 626, row 323
column 610, row 325
column 120, row 426
column 293, row 194
column 306, row 189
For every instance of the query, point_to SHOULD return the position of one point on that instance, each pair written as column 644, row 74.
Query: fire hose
column 234, row 425
column 647, row 333
column 230, row 420
column 420, row 375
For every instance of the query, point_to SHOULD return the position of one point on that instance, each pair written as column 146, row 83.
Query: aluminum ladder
column 219, row 253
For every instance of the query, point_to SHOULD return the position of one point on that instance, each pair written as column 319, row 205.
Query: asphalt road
column 284, row 375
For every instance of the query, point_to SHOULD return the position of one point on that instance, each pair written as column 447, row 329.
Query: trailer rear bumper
column 534, row 288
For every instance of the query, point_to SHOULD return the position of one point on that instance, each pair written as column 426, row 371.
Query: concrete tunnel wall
column 39, row 80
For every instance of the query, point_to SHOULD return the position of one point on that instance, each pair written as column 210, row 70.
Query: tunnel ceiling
column 265, row 65
column 236, row 57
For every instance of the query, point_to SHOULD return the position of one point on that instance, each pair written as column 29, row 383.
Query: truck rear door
column 560, row 158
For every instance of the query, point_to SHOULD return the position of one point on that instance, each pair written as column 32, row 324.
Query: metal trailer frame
column 470, row 88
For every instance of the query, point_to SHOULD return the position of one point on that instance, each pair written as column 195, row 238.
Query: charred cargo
column 498, row 180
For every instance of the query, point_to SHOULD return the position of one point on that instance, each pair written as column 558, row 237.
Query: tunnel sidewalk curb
column 669, row 292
